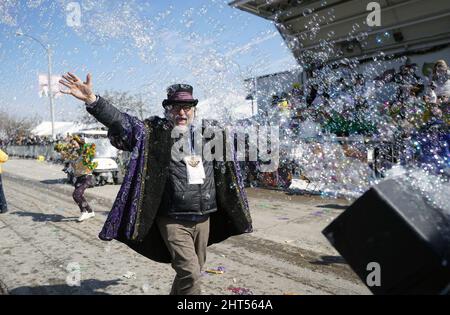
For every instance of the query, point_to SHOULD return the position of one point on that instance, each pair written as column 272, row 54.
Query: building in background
column 319, row 32
column 262, row 90
column 62, row 128
column 406, row 26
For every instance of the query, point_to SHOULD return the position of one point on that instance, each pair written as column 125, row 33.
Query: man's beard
column 181, row 128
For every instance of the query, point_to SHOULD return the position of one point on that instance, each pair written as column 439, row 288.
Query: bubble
column 88, row 5
column 146, row 287
column 203, row 10
column 307, row 12
column 362, row 36
column 355, row 27
column 34, row 3
column 379, row 40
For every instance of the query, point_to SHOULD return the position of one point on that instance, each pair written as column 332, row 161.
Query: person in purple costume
column 160, row 212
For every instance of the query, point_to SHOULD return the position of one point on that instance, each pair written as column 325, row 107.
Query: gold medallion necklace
column 193, row 161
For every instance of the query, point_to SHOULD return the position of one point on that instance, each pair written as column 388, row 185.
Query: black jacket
column 152, row 140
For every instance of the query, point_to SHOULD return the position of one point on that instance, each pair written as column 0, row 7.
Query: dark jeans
column 3, row 205
column 82, row 183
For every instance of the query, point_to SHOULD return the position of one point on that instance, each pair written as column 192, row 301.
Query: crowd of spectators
column 343, row 102
column 408, row 115
column 30, row 140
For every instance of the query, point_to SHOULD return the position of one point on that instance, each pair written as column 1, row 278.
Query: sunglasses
column 186, row 108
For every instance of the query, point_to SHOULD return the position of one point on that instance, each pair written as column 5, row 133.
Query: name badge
column 195, row 171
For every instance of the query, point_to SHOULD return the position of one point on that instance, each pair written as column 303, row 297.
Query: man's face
column 181, row 114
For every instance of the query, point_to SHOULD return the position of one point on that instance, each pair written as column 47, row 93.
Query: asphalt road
column 43, row 250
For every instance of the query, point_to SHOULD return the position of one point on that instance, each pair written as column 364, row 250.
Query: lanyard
column 191, row 139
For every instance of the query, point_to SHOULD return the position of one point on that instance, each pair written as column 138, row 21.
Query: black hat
column 180, row 94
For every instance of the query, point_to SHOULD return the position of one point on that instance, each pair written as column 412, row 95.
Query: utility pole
column 50, row 92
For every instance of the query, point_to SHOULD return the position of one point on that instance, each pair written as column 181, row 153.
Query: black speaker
column 398, row 37
column 393, row 226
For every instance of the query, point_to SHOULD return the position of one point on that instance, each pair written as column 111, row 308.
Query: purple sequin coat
column 131, row 219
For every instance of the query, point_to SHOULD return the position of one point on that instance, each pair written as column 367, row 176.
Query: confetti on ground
column 240, row 291
column 129, row 275
column 216, row 272
column 145, row 287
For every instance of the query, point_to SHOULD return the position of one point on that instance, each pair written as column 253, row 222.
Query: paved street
column 42, row 246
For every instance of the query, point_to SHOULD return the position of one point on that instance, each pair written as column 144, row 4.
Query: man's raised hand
column 77, row 88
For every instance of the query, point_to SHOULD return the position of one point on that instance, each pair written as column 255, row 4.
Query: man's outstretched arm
column 104, row 112
column 120, row 125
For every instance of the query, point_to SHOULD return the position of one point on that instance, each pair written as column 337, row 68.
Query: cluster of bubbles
column 381, row 38
column 366, row 100
column 187, row 38
column 6, row 12
column 329, row 169
column 434, row 188
column 360, row 98
column 104, row 23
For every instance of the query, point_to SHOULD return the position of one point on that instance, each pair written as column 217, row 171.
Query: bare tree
column 12, row 127
column 128, row 103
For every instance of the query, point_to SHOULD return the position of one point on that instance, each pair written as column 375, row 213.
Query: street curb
column 66, row 189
